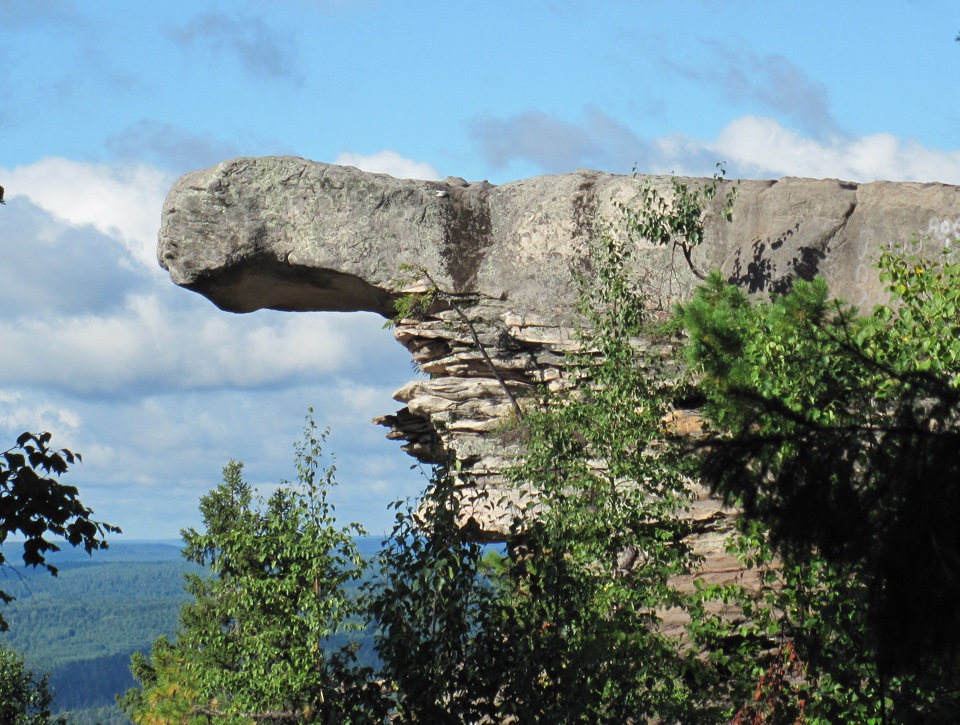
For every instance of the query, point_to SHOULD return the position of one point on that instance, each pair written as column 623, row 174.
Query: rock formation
column 290, row 234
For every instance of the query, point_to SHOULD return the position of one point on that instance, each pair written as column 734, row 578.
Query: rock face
column 290, row 234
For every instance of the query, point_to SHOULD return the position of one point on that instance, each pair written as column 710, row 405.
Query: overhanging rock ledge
column 286, row 233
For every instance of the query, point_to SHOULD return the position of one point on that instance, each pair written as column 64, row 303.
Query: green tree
column 431, row 603
column 678, row 220
column 24, row 697
column 255, row 642
column 168, row 693
column 564, row 626
column 35, row 505
column 591, row 574
column 837, row 434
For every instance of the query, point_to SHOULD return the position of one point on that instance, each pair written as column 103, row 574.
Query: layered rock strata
column 290, row 234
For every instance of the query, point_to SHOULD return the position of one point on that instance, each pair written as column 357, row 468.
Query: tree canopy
column 254, row 644
column 839, row 431
column 24, row 696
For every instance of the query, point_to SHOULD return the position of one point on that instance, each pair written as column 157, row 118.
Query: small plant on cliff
column 412, row 305
column 678, row 221
column 417, row 305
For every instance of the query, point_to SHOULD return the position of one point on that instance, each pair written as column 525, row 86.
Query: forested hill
column 83, row 625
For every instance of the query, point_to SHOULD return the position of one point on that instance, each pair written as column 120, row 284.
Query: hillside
column 83, row 625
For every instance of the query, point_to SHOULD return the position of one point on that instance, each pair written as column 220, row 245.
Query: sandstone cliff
column 290, row 234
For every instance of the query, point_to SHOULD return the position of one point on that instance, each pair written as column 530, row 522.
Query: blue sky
column 105, row 103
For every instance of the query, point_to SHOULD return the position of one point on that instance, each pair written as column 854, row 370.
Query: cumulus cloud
column 389, row 162
column 762, row 147
column 596, row 141
column 261, row 50
column 751, row 146
column 53, row 268
column 123, row 202
column 153, row 345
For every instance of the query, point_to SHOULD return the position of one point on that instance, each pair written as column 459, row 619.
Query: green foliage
column 560, row 628
column 431, row 603
column 412, row 305
column 252, row 643
column 790, row 646
column 837, row 434
column 34, row 504
column 168, row 689
column 677, row 221
column 591, row 574
column 24, row 697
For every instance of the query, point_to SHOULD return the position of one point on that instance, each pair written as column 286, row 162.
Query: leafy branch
column 35, row 504
column 677, row 221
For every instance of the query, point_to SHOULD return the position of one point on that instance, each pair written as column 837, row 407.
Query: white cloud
column 751, row 146
column 761, row 147
column 54, row 268
column 149, row 345
column 122, row 202
column 389, row 162
column 20, row 414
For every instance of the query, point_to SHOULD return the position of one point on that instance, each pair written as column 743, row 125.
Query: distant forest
column 83, row 625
